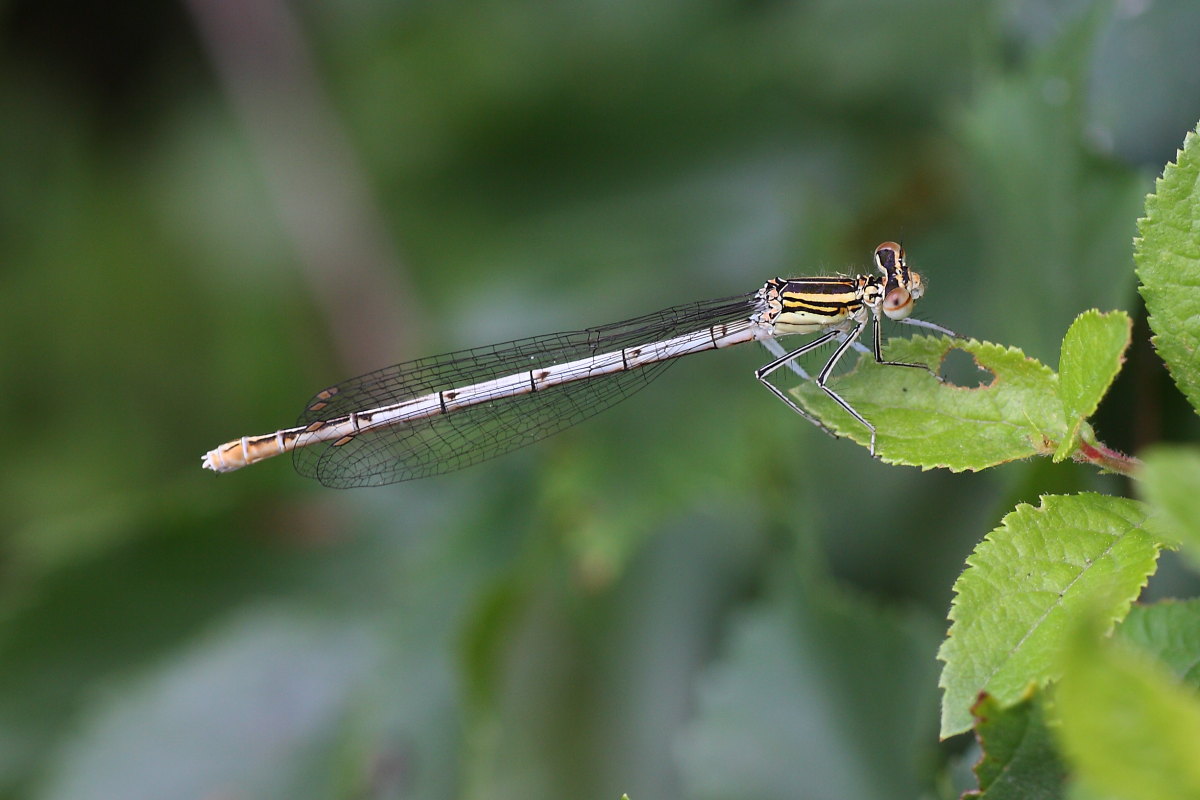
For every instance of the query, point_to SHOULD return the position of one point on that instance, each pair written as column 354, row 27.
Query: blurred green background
column 209, row 210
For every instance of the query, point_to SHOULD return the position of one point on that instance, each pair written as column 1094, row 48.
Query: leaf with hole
column 924, row 422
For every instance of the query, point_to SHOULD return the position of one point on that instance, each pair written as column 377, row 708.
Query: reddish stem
column 1105, row 458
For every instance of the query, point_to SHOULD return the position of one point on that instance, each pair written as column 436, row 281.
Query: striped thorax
column 808, row 305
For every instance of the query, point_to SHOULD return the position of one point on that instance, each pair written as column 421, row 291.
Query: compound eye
column 897, row 303
column 889, row 257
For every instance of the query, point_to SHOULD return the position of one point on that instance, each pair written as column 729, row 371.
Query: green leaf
column 1019, row 758
column 1171, row 484
column 924, row 422
column 1167, row 253
column 1024, row 584
column 1169, row 631
column 1127, row 725
column 1092, row 353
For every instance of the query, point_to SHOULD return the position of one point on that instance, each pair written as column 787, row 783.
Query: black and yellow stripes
column 824, row 297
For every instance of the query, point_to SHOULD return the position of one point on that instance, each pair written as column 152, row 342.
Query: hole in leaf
column 960, row 369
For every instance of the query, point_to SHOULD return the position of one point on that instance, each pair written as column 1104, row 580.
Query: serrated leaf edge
column 1041, row 508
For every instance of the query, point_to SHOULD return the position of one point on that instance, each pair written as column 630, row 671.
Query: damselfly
column 442, row 413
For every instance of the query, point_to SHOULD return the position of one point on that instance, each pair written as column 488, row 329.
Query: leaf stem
column 1107, row 459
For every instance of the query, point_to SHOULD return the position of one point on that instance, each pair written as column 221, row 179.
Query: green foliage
column 1171, row 482
column 1042, row 593
column 1024, row 409
column 1092, row 353
column 1115, row 720
column 1168, row 262
column 647, row 603
column 1019, row 760
column 924, row 422
column 1026, row 582
column 1170, row 632
column 1127, row 725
